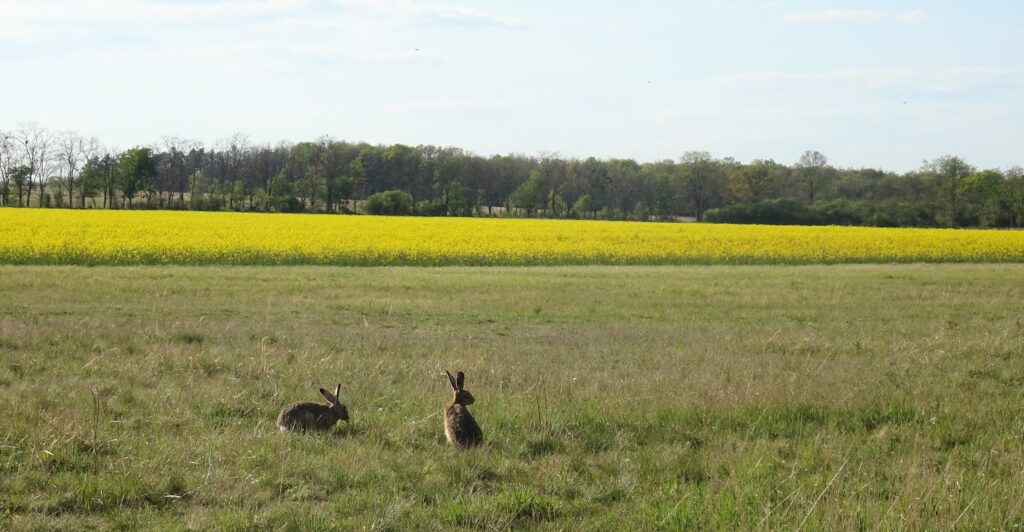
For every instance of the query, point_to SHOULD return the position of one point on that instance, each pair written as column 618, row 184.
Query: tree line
column 40, row 168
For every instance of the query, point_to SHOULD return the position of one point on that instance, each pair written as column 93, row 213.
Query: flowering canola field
column 48, row 236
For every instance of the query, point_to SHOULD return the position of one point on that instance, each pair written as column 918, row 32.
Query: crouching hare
column 313, row 416
column 459, row 426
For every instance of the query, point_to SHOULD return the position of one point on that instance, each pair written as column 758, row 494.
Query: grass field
column 617, row 398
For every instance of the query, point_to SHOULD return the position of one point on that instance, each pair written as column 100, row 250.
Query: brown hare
column 459, row 426
column 313, row 416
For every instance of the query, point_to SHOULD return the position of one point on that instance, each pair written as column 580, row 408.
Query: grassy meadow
column 727, row 397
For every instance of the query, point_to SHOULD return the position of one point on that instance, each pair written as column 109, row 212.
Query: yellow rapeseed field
column 47, row 236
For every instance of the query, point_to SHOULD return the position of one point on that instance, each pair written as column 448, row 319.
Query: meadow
column 726, row 397
column 90, row 237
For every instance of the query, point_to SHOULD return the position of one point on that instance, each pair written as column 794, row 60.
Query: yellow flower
column 49, row 236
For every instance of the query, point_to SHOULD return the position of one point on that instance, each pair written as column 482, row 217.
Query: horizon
column 872, row 85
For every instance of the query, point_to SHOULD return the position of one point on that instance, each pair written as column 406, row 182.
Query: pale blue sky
column 644, row 79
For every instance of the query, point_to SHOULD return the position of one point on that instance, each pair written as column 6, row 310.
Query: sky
column 879, row 84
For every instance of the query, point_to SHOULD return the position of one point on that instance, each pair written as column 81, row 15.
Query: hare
column 313, row 416
column 459, row 426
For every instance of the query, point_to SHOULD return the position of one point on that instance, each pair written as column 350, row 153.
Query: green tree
column 702, row 181
column 237, row 196
column 460, row 199
column 281, row 194
column 528, row 195
column 555, row 204
column 21, row 175
column 343, row 188
column 980, row 199
column 582, row 206
column 90, row 180
column 813, row 174
column 334, row 165
column 390, row 202
column 1014, row 191
column 750, row 183
column 136, row 171
column 949, row 171
column 641, row 211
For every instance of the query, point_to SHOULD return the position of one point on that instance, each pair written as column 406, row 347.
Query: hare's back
column 460, row 427
column 302, row 416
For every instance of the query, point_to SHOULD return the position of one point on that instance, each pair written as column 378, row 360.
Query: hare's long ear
column 461, row 380
column 451, row 379
column 337, row 392
column 327, row 395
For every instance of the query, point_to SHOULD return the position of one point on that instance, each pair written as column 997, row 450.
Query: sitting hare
column 459, row 426
column 313, row 416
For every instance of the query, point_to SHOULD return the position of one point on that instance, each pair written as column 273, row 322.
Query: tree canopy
column 38, row 168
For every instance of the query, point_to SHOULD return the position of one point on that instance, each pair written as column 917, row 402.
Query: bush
column 390, row 202
column 433, row 207
column 770, row 212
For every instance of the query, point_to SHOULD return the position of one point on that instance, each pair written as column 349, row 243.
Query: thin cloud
column 845, row 16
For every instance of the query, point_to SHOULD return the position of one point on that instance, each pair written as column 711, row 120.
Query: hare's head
column 336, row 405
column 462, row 395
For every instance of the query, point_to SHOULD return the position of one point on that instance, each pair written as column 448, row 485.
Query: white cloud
column 833, row 16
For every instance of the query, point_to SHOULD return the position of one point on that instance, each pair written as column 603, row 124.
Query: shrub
column 389, row 202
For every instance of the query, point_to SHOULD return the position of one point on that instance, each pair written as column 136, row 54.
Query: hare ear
column 461, row 380
column 337, row 392
column 327, row 395
column 451, row 379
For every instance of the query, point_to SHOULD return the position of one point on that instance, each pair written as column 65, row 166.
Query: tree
column 752, row 182
column 74, row 150
column 281, row 194
column 528, row 195
column 460, row 199
column 108, row 164
column 582, row 205
column 390, row 202
column 368, row 170
column 335, row 162
column 624, row 185
column 813, row 174
column 136, row 171
column 8, row 155
column 507, row 174
column 178, row 163
column 949, row 170
column 980, row 200
column 37, row 145
column 90, row 179
column 304, row 168
column 641, row 211
column 237, row 197
column 1014, row 191
column 21, row 176
column 702, row 180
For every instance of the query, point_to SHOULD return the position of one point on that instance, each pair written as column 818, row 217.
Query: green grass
column 650, row 397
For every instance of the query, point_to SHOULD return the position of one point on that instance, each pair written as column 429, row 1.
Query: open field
column 80, row 237
column 727, row 397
